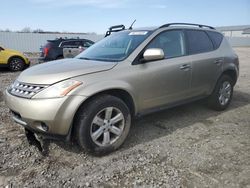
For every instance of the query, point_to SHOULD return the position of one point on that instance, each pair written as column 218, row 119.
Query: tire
column 59, row 57
column 102, row 125
column 16, row 64
column 222, row 94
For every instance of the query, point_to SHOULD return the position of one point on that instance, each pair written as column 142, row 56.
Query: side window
column 87, row 44
column 171, row 42
column 77, row 44
column 71, row 44
column 67, row 44
column 198, row 42
column 216, row 38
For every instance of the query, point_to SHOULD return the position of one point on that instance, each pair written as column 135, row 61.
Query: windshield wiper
column 85, row 58
column 96, row 59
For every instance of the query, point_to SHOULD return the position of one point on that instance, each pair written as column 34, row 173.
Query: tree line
column 29, row 30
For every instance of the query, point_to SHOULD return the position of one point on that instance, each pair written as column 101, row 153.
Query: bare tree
column 7, row 30
column 26, row 30
column 38, row 31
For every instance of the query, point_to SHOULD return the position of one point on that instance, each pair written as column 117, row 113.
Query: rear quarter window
column 216, row 38
column 198, row 42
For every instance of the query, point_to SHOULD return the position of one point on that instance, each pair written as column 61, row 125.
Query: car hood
column 55, row 71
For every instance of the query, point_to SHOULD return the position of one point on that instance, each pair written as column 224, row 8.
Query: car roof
column 181, row 25
column 178, row 25
column 118, row 28
column 146, row 28
column 66, row 39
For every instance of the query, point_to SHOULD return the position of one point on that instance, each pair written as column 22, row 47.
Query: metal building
column 235, row 31
column 32, row 42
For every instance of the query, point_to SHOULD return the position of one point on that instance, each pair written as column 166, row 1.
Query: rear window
column 198, row 42
column 54, row 43
column 48, row 45
column 216, row 38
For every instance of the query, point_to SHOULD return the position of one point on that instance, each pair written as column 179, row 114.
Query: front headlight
column 60, row 89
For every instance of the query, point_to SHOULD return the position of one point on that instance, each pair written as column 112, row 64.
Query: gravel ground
column 188, row 146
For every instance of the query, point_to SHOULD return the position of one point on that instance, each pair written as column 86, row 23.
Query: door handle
column 185, row 67
column 218, row 61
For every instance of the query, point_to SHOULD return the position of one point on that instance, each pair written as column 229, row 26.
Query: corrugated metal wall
column 31, row 42
column 239, row 41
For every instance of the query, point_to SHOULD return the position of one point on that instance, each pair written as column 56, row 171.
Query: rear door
column 72, row 48
column 206, row 61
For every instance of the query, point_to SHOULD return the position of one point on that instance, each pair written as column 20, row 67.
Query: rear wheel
column 103, row 124
column 222, row 94
column 59, row 57
column 16, row 64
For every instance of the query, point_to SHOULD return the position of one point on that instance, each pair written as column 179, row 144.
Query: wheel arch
column 232, row 74
column 122, row 94
column 59, row 57
column 16, row 56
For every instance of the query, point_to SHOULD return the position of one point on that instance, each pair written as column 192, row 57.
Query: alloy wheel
column 16, row 65
column 107, row 126
column 225, row 93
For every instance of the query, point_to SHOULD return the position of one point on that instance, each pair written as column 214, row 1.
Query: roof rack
column 190, row 24
column 114, row 28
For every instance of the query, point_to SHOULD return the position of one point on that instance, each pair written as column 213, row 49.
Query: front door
column 165, row 81
column 1, row 55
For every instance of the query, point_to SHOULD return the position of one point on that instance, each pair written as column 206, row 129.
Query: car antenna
column 131, row 27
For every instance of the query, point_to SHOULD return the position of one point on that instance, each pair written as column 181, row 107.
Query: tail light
column 46, row 51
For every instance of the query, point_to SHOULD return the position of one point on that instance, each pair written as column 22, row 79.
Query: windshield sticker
column 138, row 33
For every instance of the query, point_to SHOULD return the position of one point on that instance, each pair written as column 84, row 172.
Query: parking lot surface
column 188, row 146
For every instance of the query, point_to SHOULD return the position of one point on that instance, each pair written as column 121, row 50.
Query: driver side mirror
column 153, row 54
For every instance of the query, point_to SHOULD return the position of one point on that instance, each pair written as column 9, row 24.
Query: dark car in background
column 54, row 48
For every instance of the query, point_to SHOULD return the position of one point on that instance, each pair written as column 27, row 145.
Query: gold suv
column 93, row 96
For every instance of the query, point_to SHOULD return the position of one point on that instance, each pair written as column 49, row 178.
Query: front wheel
column 103, row 124
column 222, row 94
column 16, row 64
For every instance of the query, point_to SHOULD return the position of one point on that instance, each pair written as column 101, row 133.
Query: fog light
column 44, row 126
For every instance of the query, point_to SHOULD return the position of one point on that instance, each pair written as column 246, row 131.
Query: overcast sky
column 98, row 15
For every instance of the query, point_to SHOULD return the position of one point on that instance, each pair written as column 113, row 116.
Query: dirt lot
column 188, row 146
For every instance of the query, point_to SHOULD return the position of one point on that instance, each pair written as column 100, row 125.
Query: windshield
column 115, row 47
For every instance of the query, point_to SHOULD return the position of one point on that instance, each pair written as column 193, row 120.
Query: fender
column 100, row 87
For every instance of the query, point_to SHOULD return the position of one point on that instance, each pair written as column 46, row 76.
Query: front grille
column 25, row 90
